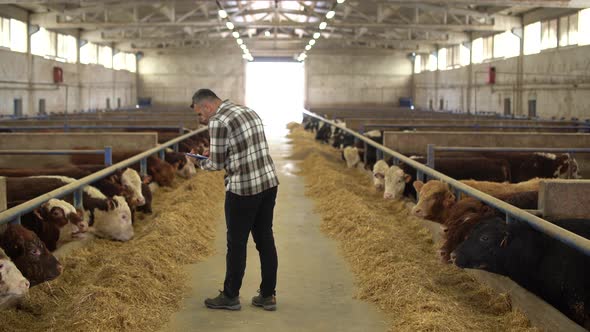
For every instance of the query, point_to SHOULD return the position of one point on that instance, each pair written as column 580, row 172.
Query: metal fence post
column 379, row 154
column 430, row 155
column 78, row 198
column 162, row 154
column 108, row 156
column 365, row 152
column 569, row 165
column 143, row 167
column 509, row 218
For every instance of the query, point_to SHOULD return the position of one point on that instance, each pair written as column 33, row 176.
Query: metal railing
column 13, row 214
column 66, row 127
column 107, row 152
column 477, row 127
column 563, row 235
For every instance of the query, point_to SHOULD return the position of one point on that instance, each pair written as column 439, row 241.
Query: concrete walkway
column 315, row 288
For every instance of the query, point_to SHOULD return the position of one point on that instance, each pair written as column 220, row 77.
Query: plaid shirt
column 239, row 146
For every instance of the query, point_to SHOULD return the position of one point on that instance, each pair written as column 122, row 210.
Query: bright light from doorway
column 275, row 91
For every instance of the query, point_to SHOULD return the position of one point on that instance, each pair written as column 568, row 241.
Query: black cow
column 545, row 266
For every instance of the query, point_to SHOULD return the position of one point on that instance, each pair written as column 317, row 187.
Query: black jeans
column 245, row 214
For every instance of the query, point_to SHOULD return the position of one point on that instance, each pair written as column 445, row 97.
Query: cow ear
column 147, row 179
column 407, row 178
column 418, row 185
column 110, row 204
column 449, row 200
column 38, row 214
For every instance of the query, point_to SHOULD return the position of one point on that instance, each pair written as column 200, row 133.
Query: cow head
column 351, row 155
column 187, row 169
column 131, row 182
column 13, row 286
column 63, row 216
column 30, row 255
column 562, row 165
column 485, row 247
column 395, row 183
column 163, row 173
column 114, row 222
column 435, row 198
column 379, row 170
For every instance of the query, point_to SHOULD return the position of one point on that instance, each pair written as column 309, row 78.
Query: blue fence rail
column 76, row 187
column 107, row 152
column 512, row 213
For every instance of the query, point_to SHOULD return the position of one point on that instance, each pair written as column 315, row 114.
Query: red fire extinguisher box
column 58, row 75
column 492, row 75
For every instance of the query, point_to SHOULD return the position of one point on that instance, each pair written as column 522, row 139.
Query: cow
column 554, row 271
column 13, row 286
column 524, row 166
column 55, row 222
column 124, row 182
column 351, row 156
column 379, row 170
column 161, row 171
column 147, row 193
column 186, row 168
column 29, row 254
column 370, row 157
column 323, row 135
column 466, row 213
column 436, row 197
column 458, row 168
column 108, row 217
column 342, row 140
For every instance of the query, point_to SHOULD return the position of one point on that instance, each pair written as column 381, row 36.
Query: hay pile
column 132, row 286
column 393, row 258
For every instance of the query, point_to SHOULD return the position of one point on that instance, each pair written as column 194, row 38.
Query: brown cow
column 55, row 222
column 436, row 197
column 469, row 211
column 29, row 254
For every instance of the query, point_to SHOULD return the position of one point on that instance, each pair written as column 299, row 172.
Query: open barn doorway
column 274, row 89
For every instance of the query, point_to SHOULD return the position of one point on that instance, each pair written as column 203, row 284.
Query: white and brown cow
column 108, row 217
column 352, row 158
column 13, row 286
column 379, row 174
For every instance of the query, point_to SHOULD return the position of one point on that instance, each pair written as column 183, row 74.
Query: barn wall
column 172, row 78
column 356, row 79
column 558, row 79
column 85, row 86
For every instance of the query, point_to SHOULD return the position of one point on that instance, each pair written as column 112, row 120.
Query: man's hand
column 206, row 152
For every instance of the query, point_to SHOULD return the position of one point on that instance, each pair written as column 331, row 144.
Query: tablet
column 196, row 156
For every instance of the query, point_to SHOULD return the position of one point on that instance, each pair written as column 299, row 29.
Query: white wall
column 173, row 78
column 558, row 79
column 356, row 79
column 88, row 86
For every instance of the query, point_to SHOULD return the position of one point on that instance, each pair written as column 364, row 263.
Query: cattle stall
column 529, row 304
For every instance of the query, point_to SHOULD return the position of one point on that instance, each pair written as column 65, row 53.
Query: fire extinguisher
column 492, row 75
column 58, row 75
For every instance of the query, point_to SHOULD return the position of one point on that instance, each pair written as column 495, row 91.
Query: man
column 238, row 145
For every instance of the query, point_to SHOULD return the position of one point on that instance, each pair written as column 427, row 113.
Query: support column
column 3, row 200
column 519, row 107
column 79, row 67
column 30, row 106
column 470, row 74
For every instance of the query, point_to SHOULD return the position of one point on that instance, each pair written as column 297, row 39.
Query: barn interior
column 350, row 92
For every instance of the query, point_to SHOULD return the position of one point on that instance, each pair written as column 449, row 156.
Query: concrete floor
column 315, row 286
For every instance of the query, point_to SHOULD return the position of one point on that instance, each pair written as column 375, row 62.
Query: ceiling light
column 245, row 56
column 323, row 25
column 330, row 14
column 340, row 1
column 316, row 35
column 239, row 41
column 312, row 42
column 235, row 34
column 267, row 33
column 308, row 47
column 243, row 46
column 222, row 13
column 229, row 25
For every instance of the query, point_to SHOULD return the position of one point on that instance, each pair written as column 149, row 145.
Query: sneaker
column 223, row 302
column 269, row 303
